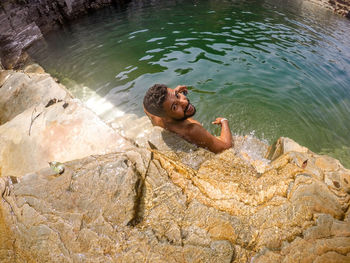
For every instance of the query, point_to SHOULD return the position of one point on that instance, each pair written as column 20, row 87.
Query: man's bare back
column 174, row 111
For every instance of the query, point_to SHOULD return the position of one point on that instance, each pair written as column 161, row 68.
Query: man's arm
column 201, row 137
column 225, row 135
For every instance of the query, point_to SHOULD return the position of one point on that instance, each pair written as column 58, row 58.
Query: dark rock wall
column 340, row 7
column 24, row 21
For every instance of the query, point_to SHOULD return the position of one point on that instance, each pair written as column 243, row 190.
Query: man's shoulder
column 189, row 129
column 188, row 124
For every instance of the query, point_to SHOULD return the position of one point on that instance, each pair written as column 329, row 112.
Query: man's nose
column 183, row 100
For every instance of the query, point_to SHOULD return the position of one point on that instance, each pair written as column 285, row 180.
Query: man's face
column 177, row 106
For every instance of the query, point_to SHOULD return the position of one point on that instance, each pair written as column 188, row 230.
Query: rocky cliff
column 23, row 22
column 149, row 196
column 341, row 7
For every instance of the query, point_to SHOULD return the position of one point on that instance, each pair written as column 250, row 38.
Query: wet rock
column 284, row 145
column 143, row 134
column 20, row 91
column 34, row 68
column 252, row 151
column 22, row 23
column 14, row 39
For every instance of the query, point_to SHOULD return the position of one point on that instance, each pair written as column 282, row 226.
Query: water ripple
column 277, row 68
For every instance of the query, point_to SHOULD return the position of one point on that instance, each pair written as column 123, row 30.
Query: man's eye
column 177, row 95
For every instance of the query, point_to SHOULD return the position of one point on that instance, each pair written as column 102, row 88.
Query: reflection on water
column 278, row 68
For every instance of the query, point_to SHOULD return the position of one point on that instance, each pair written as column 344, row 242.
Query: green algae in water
column 274, row 69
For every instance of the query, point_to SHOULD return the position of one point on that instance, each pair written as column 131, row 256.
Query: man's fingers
column 218, row 120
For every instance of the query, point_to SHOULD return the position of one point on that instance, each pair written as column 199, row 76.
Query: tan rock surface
column 145, row 206
column 103, row 208
column 278, row 205
column 160, row 199
column 268, row 207
column 41, row 123
column 20, row 91
column 62, row 132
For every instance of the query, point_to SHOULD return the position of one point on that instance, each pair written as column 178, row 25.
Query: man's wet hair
column 154, row 99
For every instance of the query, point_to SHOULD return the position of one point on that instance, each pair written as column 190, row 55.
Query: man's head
column 154, row 99
column 164, row 102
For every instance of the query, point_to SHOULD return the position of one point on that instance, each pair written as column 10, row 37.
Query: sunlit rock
column 284, row 145
column 327, row 241
column 102, row 209
column 61, row 132
column 146, row 195
column 145, row 204
column 279, row 204
column 41, row 123
column 19, row 91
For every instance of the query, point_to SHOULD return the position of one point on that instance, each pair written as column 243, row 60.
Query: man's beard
column 185, row 117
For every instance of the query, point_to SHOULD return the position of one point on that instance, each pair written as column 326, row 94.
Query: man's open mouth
column 189, row 108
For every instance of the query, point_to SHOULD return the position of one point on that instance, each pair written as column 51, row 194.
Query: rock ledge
column 118, row 200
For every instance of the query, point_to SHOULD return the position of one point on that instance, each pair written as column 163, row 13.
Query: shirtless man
column 171, row 110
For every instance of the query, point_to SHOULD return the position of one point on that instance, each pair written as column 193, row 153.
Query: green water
column 273, row 68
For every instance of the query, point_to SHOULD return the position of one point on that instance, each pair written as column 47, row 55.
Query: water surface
column 273, row 68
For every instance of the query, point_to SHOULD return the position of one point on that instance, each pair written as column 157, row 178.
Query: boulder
column 41, row 123
column 284, row 145
column 272, row 208
column 14, row 40
column 20, row 91
column 146, row 204
column 60, row 132
column 103, row 208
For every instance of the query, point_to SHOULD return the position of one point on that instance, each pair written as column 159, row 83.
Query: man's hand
column 225, row 135
column 181, row 89
column 219, row 121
